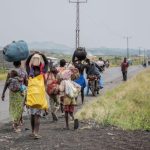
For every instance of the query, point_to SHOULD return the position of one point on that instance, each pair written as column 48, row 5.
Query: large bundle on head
column 80, row 53
column 16, row 51
column 39, row 60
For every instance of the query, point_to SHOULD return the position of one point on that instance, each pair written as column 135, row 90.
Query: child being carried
column 15, row 83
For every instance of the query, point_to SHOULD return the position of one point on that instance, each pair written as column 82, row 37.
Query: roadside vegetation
column 127, row 106
column 3, row 74
column 116, row 60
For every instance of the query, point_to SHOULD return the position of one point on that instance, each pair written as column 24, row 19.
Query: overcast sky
column 103, row 22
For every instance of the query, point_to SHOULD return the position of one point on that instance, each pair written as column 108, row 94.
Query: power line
column 77, row 2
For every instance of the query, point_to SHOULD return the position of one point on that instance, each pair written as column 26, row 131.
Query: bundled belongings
column 52, row 86
column 36, row 60
column 72, row 89
column 64, row 74
column 80, row 53
column 75, row 72
column 36, row 94
column 16, row 51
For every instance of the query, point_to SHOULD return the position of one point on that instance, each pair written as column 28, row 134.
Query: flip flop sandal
column 17, row 130
column 36, row 136
column 76, row 124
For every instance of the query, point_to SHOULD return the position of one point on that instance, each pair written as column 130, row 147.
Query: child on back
column 14, row 83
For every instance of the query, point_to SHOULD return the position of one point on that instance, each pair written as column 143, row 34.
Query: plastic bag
column 36, row 94
column 72, row 89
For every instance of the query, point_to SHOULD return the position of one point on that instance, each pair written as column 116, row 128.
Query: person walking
column 61, row 69
column 53, row 90
column 66, row 88
column 81, row 80
column 124, row 69
column 36, row 102
column 16, row 98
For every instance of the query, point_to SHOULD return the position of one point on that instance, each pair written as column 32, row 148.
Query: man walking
column 124, row 68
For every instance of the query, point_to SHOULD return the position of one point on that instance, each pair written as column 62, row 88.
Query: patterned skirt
column 15, row 106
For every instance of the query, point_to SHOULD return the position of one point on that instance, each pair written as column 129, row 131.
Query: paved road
column 110, row 76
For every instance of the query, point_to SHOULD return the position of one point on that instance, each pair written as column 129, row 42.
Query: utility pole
column 77, row 2
column 139, row 55
column 127, row 38
column 144, row 56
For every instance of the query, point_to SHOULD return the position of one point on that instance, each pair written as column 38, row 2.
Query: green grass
column 127, row 106
column 3, row 74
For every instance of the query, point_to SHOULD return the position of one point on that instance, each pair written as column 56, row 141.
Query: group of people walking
column 62, row 85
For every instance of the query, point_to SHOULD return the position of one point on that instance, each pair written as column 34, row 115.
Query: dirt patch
column 85, row 138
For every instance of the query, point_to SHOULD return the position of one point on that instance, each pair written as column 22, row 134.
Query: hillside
column 57, row 48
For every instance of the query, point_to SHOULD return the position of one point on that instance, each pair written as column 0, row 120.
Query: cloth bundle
column 16, row 51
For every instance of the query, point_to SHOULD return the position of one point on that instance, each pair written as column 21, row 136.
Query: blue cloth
column 16, row 51
column 81, row 81
column 23, row 88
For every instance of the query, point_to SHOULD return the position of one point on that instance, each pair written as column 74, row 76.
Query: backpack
column 52, row 85
column 14, row 84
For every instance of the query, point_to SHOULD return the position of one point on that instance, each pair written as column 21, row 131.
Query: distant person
column 107, row 63
column 124, row 69
column 101, row 64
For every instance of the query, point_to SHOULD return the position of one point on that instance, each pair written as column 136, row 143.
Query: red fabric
column 41, row 68
column 52, row 87
column 69, row 108
column 124, row 66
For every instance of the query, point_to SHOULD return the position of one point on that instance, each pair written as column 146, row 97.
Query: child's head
column 13, row 74
column 36, row 70
column 62, row 63
column 53, row 70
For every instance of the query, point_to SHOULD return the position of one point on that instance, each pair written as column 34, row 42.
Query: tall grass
column 127, row 106
column 3, row 74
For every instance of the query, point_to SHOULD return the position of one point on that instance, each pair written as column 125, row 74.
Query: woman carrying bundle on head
column 36, row 66
column 16, row 82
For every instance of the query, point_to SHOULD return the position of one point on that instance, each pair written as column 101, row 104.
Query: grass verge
column 127, row 106
column 3, row 76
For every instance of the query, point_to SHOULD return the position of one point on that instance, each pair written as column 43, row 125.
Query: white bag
column 71, row 90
